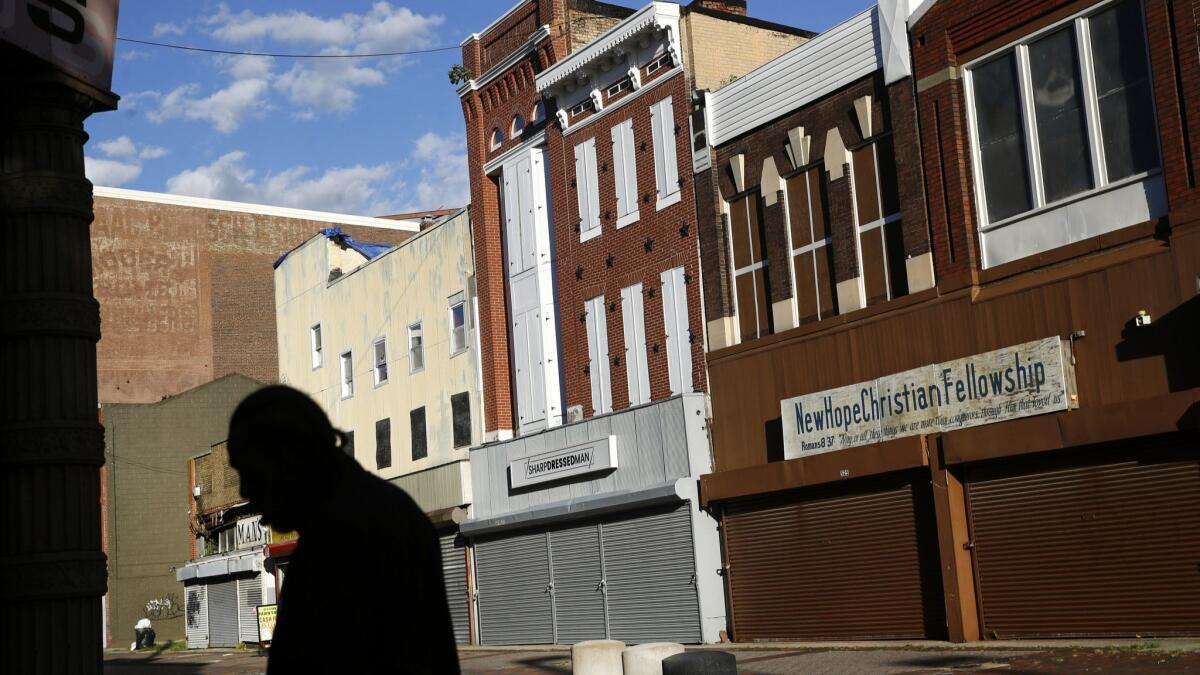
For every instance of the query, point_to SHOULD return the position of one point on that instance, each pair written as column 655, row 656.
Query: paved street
column 918, row 659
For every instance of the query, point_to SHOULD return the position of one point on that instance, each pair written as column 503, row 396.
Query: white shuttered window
column 587, row 189
column 625, row 173
column 675, row 320
column 634, row 318
column 598, row 370
column 666, row 167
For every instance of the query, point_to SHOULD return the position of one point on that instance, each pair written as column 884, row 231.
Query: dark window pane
column 383, row 443
column 1058, row 110
column 1123, row 88
column 416, row 419
column 1001, row 141
column 349, row 447
column 460, row 408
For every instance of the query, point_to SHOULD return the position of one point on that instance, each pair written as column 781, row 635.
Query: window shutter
column 666, row 169
column 416, row 419
column 599, row 373
column 634, row 320
column 460, row 410
column 512, row 224
column 586, row 186
column 675, row 320
column 618, row 166
column 383, row 443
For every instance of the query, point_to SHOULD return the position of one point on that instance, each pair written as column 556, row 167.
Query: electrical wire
column 208, row 50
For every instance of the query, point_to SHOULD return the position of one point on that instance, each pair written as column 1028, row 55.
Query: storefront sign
column 266, row 621
column 78, row 36
column 558, row 464
column 251, row 532
column 1028, row 379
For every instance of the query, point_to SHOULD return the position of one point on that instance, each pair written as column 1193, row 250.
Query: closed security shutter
column 454, row 572
column 196, row 617
column 850, row 561
column 578, row 587
column 223, row 614
column 650, row 572
column 1101, row 543
column 249, row 597
column 515, row 605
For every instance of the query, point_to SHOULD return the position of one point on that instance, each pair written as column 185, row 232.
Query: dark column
column 52, row 568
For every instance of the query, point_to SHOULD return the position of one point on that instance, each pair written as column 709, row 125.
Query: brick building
column 963, row 402
column 588, row 268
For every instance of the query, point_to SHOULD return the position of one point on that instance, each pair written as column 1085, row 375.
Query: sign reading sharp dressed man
column 1028, row 379
column 78, row 36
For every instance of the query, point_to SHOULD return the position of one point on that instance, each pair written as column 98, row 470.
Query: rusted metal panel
column 1103, row 542
column 854, row 561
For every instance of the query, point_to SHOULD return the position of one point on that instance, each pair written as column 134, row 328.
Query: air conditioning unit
column 574, row 414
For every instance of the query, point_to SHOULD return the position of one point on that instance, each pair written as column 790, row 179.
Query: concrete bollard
column 597, row 657
column 647, row 659
column 700, row 663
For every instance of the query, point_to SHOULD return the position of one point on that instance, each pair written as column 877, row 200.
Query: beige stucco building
column 384, row 341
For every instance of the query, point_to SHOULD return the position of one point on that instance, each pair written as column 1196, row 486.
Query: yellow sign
column 280, row 537
column 266, row 622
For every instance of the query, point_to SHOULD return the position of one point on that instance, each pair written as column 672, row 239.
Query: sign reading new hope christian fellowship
column 1028, row 379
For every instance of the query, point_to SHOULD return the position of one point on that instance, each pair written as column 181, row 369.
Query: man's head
column 283, row 447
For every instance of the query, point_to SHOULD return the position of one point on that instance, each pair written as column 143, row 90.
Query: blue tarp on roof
column 369, row 251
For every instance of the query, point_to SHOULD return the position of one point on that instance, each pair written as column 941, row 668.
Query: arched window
column 497, row 138
column 518, row 125
column 539, row 113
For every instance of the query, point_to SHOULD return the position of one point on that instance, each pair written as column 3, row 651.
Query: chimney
column 728, row 6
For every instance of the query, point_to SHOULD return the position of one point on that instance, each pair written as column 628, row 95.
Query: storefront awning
column 593, row 505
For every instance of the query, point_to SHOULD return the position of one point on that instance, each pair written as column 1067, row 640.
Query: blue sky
column 363, row 136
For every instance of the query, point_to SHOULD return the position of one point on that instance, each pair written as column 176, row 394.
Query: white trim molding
column 503, row 65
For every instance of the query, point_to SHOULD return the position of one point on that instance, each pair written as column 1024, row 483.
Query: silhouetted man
column 364, row 590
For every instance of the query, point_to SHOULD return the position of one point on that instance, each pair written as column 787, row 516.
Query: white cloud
column 225, row 109
column 152, row 152
column 122, row 146
column 111, row 173
column 328, row 85
column 357, row 189
column 168, row 28
column 442, row 181
column 382, row 28
column 134, row 55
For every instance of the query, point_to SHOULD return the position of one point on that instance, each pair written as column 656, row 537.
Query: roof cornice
column 655, row 16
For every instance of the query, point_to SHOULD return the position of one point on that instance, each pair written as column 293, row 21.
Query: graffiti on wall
column 166, row 607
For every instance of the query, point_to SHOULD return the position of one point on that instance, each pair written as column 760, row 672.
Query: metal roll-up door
column 578, row 584
column 223, row 614
column 515, row 604
column 249, row 598
column 196, row 617
column 650, row 572
column 1100, row 543
column 454, row 573
column 849, row 561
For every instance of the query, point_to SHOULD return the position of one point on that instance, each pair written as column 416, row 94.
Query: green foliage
column 459, row 74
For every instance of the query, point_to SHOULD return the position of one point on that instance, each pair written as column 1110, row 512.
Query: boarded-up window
column 349, row 443
column 416, row 420
column 877, row 205
column 750, row 266
column 383, row 443
column 812, row 255
column 460, row 409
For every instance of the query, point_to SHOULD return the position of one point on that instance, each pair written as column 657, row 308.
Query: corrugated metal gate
column 454, row 573
column 852, row 560
column 196, row 616
column 249, row 597
column 223, row 614
column 631, row 578
column 1102, row 543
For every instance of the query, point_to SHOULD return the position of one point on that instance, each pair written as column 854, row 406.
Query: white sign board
column 78, row 36
column 574, row 461
column 1028, row 379
column 251, row 532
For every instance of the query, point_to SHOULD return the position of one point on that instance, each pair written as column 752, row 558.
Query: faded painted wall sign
column 251, row 532
column 1029, row 379
column 558, row 464
column 78, row 36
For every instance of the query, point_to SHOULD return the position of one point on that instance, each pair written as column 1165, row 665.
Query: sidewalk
column 1150, row 644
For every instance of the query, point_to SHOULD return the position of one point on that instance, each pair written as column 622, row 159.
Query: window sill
column 669, row 200
column 588, row 235
column 627, row 219
column 381, row 383
column 1094, row 192
column 460, row 350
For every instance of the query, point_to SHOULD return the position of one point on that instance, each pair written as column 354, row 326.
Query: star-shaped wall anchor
column 604, row 166
column 655, row 348
column 651, row 291
column 573, row 183
column 587, row 370
column 612, row 306
column 616, row 360
column 687, row 278
column 681, row 181
column 608, row 262
column 583, row 318
column 683, row 230
column 579, row 274
column 691, row 338
column 649, row 245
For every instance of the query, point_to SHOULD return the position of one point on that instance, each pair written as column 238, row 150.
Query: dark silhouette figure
column 364, row 591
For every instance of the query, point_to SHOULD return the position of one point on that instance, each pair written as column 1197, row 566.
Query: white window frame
column 625, row 84
column 497, row 138
column 413, row 369
column 677, row 329
column 659, row 63
column 346, row 373
column 625, row 173
column 746, row 270
column 599, row 372
column 316, row 343
column 587, row 189
column 457, row 300
column 1020, row 48
column 822, row 312
column 586, row 105
column 538, row 113
column 513, row 129
column 633, row 318
column 379, row 341
column 666, row 159
column 865, row 229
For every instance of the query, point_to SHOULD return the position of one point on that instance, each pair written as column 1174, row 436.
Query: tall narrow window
column 497, row 138
column 416, row 422
column 1122, row 76
column 518, row 125
column 598, row 367
column 458, row 324
column 416, row 348
column 749, row 266
column 1058, row 111
column 383, row 443
column 460, row 411
column 348, row 445
column 381, row 362
column 318, row 357
column 633, row 317
column 1001, row 141
column 587, row 189
column 347, row 375
column 625, row 173
column 666, row 167
column 812, row 254
column 679, row 334
column 880, row 231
